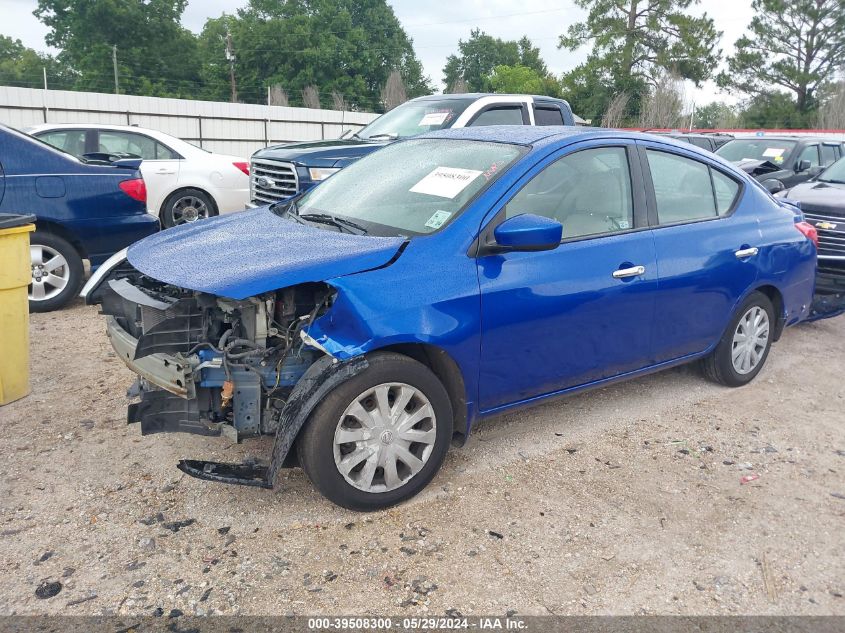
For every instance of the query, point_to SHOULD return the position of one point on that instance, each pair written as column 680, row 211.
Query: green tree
column 716, row 115
column 793, row 44
column 345, row 46
column 522, row 80
column 156, row 56
column 775, row 110
column 479, row 55
column 634, row 42
column 24, row 67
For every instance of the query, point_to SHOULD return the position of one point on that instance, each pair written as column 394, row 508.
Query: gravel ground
column 626, row 500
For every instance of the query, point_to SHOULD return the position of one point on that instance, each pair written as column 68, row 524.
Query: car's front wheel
column 744, row 348
column 57, row 272
column 380, row 437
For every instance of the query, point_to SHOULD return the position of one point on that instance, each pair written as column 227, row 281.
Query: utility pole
column 230, row 55
column 114, row 64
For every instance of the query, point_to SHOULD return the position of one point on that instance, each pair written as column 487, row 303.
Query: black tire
column 315, row 444
column 169, row 210
column 74, row 270
column 719, row 366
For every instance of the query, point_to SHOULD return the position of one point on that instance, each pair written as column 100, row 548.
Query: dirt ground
column 626, row 500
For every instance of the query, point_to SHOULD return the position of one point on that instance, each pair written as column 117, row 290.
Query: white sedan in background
column 184, row 182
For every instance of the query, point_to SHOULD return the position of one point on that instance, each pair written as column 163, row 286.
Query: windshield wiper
column 833, row 180
column 341, row 223
column 392, row 136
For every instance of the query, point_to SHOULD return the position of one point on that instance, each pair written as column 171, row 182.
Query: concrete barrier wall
column 231, row 128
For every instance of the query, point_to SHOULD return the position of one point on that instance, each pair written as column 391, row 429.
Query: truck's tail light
column 135, row 189
column 244, row 167
column 809, row 231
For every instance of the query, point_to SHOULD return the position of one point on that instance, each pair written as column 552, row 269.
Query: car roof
column 788, row 137
column 86, row 126
column 480, row 95
column 539, row 135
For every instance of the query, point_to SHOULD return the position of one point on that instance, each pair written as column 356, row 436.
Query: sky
column 436, row 26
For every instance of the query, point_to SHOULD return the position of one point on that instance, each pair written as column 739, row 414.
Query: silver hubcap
column 189, row 209
column 50, row 272
column 385, row 437
column 750, row 340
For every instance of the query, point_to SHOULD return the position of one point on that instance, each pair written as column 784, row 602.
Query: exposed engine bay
column 207, row 364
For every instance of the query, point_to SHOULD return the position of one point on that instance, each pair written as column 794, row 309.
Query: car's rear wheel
column 57, row 272
column 186, row 206
column 744, row 348
column 380, row 437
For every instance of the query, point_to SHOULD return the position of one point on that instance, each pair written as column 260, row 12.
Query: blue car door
column 706, row 244
column 583, row 311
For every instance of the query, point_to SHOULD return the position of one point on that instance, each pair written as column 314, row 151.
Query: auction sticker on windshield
column 446, row 182
column 434, row 118
column 774, row 152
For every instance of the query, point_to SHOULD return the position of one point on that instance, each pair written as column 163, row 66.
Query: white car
column 184, row 182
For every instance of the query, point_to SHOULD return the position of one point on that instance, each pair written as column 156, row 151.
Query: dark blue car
column 374, row 320
column 83, row 211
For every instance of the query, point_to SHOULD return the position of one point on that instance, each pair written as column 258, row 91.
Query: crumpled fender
column 320, row 378
column 350, row 328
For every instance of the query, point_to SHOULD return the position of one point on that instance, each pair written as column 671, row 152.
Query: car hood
column 757, row 167
column 819, row 196
column 333, row 153
column 245, row 254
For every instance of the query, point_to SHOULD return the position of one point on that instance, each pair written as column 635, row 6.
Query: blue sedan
column 374, row 320
column 83, row 210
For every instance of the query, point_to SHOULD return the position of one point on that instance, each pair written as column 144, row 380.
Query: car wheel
column 380, row 437
column 57, row 272
column 186, row 206
column 744, row 348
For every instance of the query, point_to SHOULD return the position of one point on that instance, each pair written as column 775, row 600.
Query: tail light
column 135, row 189
column 244, row 167
column 809, row 231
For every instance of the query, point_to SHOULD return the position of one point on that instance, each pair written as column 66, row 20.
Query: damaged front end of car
column 212, row 366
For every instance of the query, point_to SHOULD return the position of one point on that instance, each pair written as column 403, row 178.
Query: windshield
column 773, row 150
column 415, row 117
column 834, row 173
column 410, row 188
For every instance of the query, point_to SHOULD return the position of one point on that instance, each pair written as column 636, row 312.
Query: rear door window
column 548, row 116
column 686, row 190
column 828, row 155
column 500, row 115
column 117, row 142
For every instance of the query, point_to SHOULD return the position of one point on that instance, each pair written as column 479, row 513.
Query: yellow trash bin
column 15, row 276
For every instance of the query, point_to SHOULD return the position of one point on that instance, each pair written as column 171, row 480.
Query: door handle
column 164, row 172
column 634, row 271
column 744, row 253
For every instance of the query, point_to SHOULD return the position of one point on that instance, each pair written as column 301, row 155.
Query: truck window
column 500, row 115
column 548, row 115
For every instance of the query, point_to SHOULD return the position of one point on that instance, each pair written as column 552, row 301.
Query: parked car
column 83, row 211
column 781, row 162
column 822, row 201
column 185, row 183
column 711, row 142
column 375, row 319
column 282, row 171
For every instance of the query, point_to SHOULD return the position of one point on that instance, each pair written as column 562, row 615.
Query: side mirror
column 803, row 165
column 528, row 232
column 773, row 185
